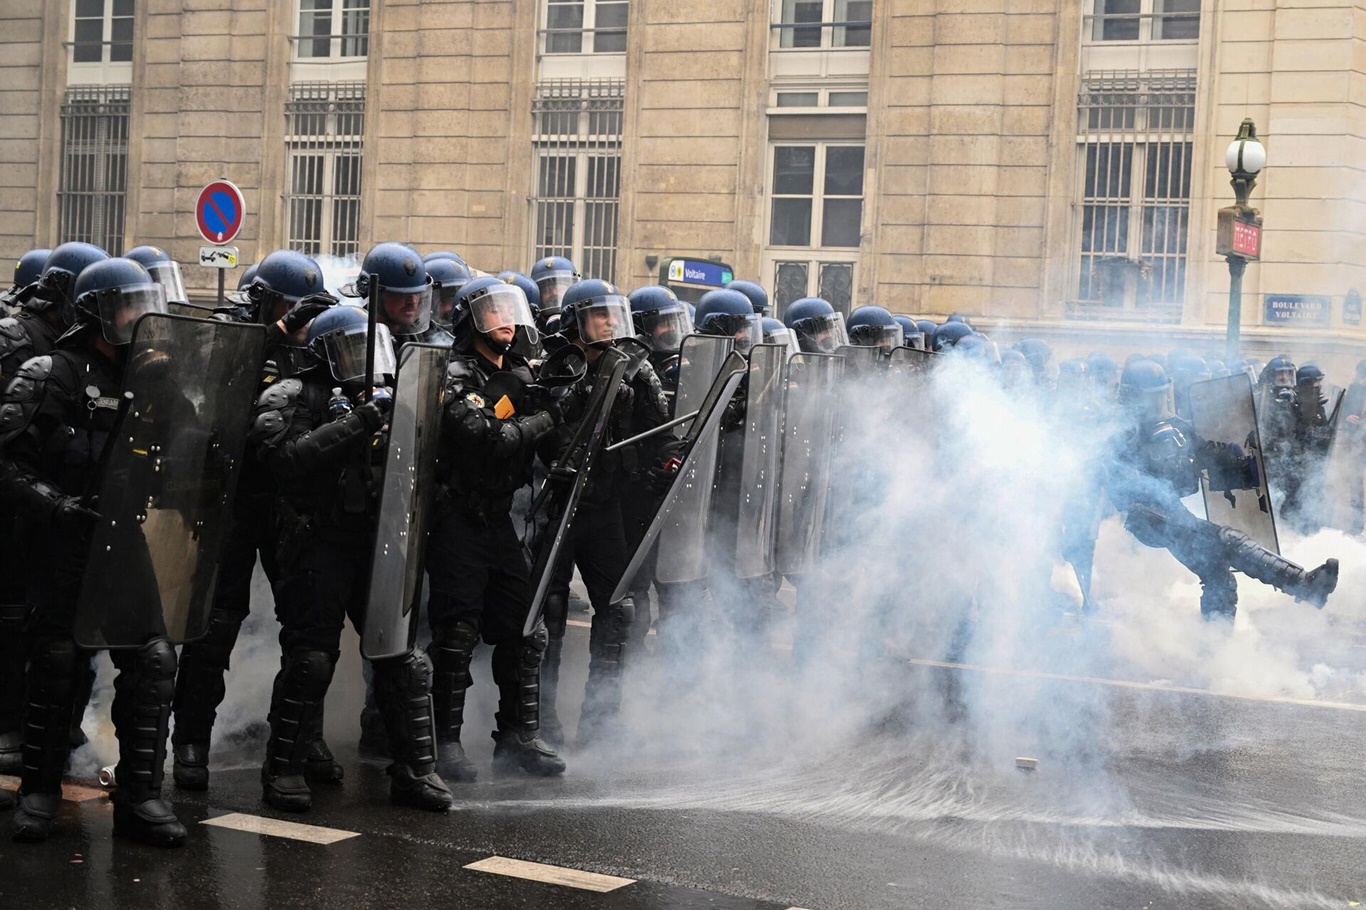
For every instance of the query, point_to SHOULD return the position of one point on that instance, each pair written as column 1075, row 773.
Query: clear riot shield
column 812, row 401
column 682, row 536
column 756, row 529
column 911, row 363
column 1344, row 496
column 1222, row 412
column 861, row 359
column 404, row 500
column 578, row 460
column 700, row 437
column 169, row 474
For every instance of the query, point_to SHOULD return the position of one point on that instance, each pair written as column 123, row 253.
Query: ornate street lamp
column 1240, row 226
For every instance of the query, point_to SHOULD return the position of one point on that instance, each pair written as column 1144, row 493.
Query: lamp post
column 1240, row 226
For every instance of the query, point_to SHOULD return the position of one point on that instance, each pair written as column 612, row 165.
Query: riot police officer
column 1157, row 462
column 1311, row 438
column 165, row 271
column 553, row 275
column 447, row 276
column 818, row 327
column 405, row 292
column 476, row 570
column 27, row 269
column 54, row 422
column 758, row 297
column 319, row 436
column 873, row 326
column 285, row 294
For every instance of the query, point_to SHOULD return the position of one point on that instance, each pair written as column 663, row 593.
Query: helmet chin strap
column 497, row 347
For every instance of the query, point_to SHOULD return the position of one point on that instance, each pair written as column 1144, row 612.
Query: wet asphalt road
column 1143, row 798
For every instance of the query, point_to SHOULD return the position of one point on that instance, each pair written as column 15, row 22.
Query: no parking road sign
column 219, row 212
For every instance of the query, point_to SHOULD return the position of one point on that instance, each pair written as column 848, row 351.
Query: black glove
column 667, row 462
column 73, row 512
column 304, row 312
column 373, row 414
column 539, row 399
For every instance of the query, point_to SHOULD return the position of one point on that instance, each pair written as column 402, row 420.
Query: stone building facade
column 1051, row 165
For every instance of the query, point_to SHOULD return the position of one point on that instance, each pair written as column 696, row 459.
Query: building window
column 102, row 31
column 1134, row 157
column 333, row 28
column 577, row 136
column 817, row 197
column 94, row 177
column 586, row 26
column 824, row 23
column 324, row 129
column 1145, row 20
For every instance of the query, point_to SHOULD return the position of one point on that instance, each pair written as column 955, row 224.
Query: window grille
column 324, row 130
column 577, row 183
column 1134, row 155
column 94, row 167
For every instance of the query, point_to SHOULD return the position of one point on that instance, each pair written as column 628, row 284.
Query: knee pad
column 309, row 673
column 410, row 674
column 556, row 614
column 620, row 617
column 156, row 659
column 1232, row 537
column 539, row 639
column 54, row 657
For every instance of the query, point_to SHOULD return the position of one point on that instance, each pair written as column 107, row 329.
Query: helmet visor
column 914, row 340
column 1283, row 377
column 886, row 337
column 552, row 288
column 602, row 320
column 747, row 329
column 121, row 307
column 443, row 299
column 406, row 312
column 345, row 352
column 665, row 328
column 822, row 334
column 167, row 274
column 1153, row 404
column 500, row 307
column 785, row 337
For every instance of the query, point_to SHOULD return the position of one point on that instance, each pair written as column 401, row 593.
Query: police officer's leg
column 458, row 574
column 601, row 557
column 403, row 688
column 143, row 690
column 516, row 660
column 13, row 661
column 311, row 601
column 47, row 717
column 556, row 613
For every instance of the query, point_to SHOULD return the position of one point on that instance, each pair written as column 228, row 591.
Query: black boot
column 451, row 653
column 320, row 766
column 143, row 691
column 199, row 690
column 517, row 741
column 13, row 661
column 607, row 651
column 403, row 687
column 47, row 723
column 294, row 706
column 1255, row 561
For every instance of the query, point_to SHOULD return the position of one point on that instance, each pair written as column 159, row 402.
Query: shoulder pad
column 461, row 373
column 280, row 395
column 13, row 329
column 274, row 410
column 36, row 368
column 23, row 396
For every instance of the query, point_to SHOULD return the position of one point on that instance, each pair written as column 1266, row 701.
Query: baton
column 653, row 432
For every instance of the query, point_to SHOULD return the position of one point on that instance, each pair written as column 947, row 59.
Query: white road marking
column 71, row 793
column 554, row 875
column 274, row 827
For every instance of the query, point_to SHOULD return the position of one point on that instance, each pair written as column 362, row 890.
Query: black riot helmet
column 553, row 275
column 64, row 264
column 447, row 276
column 405, row 288
column 727, row 312
column 758, row 297
column 114, row 293
column 1145, row 392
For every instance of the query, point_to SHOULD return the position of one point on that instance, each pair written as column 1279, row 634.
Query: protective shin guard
column 199, row 684
column 47, row 719
column 320, row 765
column 143, row 691
column 1255, row 561
column 517, row 671
column 602, row 693
column 13, row 661
column 403, row 687
column 295, row 706
column 451, row 652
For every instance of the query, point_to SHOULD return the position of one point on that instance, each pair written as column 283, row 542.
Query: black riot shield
column 699, row 440
column 810, row 415
column 577, row 462
column 682, row 537
column 1222, row 412
column 170, row 471
column 404, row 499
column 756, row 527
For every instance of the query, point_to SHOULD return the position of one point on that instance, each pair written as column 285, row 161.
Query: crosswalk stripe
column 71, row 793
column 554, row 875
column 274, row 827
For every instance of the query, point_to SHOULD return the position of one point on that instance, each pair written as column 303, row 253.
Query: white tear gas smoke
column 338, row 271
